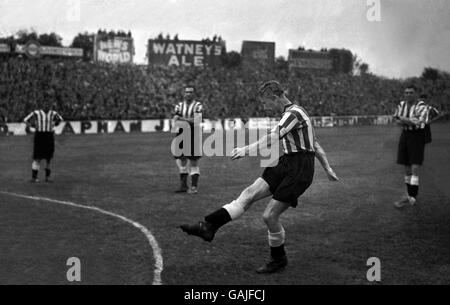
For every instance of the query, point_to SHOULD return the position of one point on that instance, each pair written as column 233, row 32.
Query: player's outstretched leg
column 276, row 237
column 202, row 229
column 35, row 171
column 207, row 229
column 182, row 167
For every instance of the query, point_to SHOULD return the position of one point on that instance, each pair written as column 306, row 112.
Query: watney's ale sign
column 185, row 53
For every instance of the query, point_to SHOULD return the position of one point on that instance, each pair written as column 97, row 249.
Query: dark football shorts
column 292, row 176
column 44, row 146
column 428, row 137
column 193, row 155
column 411, row 148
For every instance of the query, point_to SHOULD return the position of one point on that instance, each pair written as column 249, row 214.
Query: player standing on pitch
column 411, row 115
column 187, row 111
column 44, row 120
column 285, row 182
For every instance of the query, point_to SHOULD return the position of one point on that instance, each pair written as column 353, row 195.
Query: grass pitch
column 330, row 236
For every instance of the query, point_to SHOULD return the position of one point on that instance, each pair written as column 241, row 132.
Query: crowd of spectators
column 214, row 39
column 90, row 91
column 112, row 34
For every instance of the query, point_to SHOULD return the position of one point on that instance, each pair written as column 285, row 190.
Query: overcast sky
column 411, row 34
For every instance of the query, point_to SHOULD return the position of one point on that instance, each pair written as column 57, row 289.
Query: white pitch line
column 151, row 239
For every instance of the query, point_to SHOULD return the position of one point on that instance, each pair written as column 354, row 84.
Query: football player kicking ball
column 285, row 182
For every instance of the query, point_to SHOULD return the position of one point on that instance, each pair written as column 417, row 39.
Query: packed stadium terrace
column 91, row 91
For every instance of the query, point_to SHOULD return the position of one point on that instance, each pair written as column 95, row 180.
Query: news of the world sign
column 114, row 49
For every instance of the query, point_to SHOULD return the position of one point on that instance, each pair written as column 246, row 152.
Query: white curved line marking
column 151, row 239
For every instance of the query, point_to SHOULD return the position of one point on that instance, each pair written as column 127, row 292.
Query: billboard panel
column 114, row 50
column 310, row 60
column 258, row 51
column 185, row 53
column 165, row 125
column 34, row 50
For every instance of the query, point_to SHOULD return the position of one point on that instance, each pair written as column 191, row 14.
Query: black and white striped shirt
column 417, row 110
column 44, row 121
column 296, row 130
column 188, row 110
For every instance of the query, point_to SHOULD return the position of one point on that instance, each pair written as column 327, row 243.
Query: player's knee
column 249, row 193
column 35, row 165
column 195, row 170
column 415, row 170
column 193, row 163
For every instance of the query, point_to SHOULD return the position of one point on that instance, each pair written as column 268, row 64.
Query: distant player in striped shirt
column 186, row 111
column 44, row 120
column 411, row 115
column 285, row 182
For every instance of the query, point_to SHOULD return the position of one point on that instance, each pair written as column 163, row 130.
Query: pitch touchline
column 151, row 239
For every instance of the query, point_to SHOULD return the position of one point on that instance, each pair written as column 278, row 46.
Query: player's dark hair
column 271, row 87
column 412, row 87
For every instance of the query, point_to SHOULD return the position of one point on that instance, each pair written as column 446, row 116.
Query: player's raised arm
column 433, row 114
column 396, row 115
column 58, row 119
column 421, row 117
column 322, row 157
column 27, row 119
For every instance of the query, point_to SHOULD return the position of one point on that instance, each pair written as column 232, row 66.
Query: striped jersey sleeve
column 296, row 131
column 398, row 110
column 290, row 120
column 421, row 112
column 432, row 113
column 188, row 111
column 57, row 116
column 28, row 117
